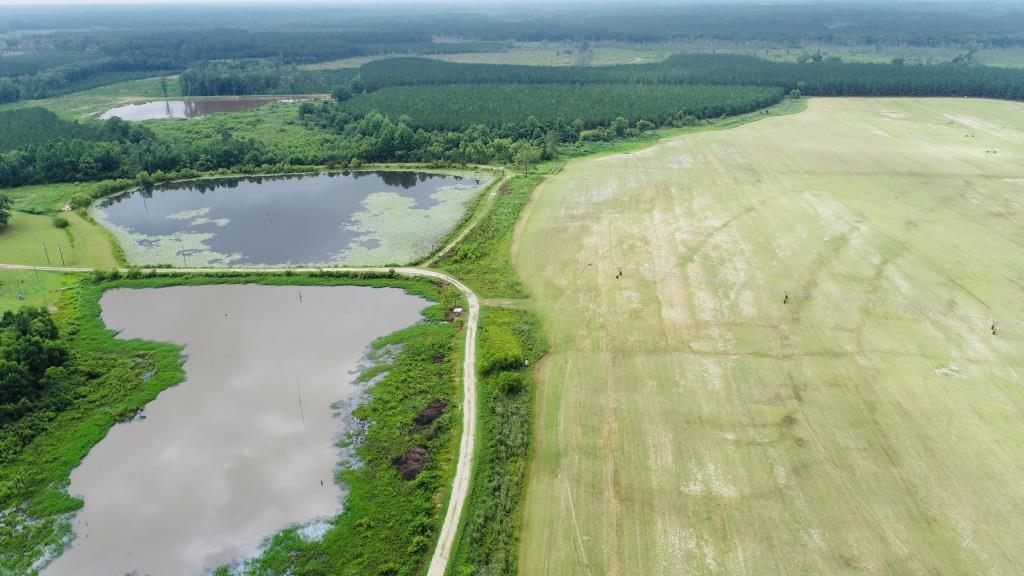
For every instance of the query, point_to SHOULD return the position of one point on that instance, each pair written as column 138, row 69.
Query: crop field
column 772, row 348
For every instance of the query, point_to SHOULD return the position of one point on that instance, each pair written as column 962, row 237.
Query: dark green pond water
column 360, row 218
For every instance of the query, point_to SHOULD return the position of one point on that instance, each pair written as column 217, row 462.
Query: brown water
column 192, row 108
column 238, row 450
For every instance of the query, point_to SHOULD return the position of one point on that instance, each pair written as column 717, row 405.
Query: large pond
column 361, row 218
column 192, row 108
column 245, row 446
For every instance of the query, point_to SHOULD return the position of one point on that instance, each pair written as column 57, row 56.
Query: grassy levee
column 482, row 260
column 771, row 348
column 510, row 343
column 387, row 522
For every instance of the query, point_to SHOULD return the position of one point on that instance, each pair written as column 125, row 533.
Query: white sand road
column 463, row 470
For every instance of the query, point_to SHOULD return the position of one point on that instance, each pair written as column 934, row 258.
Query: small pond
column 245, row 446
column 360, row 218
column 191, row 108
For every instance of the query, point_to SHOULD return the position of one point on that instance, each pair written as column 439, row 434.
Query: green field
column 28, row 288
column 82, row 243
column 693, row 419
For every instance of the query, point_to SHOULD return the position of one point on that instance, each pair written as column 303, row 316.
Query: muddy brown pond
column 192, row 108
column 246, row 445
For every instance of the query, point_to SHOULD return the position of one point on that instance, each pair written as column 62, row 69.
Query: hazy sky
column 380, row 2
column 214, row 2
column 285, row 2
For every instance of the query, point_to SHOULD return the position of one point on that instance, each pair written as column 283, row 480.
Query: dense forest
column 424, row 110
column 117, row 55
column 240, row 78
column 843, row 22
column 815, row 77
column 32, row 126
column 459, row 106
column 54, row 54
column 74, row 160
column 373, row 138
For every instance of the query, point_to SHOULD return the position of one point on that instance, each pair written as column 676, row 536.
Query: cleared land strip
column 464, row 467
column 693, row 419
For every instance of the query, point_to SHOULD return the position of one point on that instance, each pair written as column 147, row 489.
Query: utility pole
column 47, row 252
column 61, row 252
column 182, row 244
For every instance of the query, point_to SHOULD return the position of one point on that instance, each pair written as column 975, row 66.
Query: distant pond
column 191, row 108
column 358, row 218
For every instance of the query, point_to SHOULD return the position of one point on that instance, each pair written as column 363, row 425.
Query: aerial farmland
column 447, row 289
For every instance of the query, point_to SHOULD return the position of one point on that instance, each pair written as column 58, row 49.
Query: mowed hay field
column 691, row 422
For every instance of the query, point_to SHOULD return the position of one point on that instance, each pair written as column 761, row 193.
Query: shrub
column 80, row 200
column 510, row 383
column 502, row 361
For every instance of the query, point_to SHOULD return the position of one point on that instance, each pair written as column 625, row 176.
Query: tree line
column 459, row 106
column 124, row 55
column 824, row 78
column 248, row 77
column 842, row 22
column 345, row 141
column 32, row 126
column 74, row 160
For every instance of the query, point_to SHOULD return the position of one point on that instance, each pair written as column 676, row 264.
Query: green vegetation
column 693, row 419
column 458, row 106
column 34, row 366
column 29, row 288
column 481, row 259
column 700, row 411
column 510, row 343
column 5, row 210
column 28, row 126
column 49, row 198
column 66, row 151
column 102, row 382
column 817, row 77
column 38, row 240
column 136, row 53
column 259, row 77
